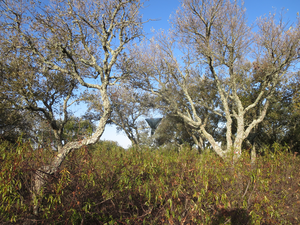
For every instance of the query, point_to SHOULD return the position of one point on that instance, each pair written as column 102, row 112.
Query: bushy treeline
column 106, row 184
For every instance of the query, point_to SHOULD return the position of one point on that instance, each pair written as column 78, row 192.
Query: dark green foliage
column 106, row 184
column 13, row 124
column 77, row 128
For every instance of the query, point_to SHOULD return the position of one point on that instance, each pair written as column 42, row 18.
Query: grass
column 106, row 184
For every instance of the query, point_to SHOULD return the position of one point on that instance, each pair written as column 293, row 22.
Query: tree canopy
column 210, row 61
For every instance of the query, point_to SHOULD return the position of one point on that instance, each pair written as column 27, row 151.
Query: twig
column 105, row 201
column 246, row 188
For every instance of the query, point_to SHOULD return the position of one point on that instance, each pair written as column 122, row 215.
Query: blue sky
column 163, row 9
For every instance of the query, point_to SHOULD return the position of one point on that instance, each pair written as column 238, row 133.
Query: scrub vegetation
column 106, row 184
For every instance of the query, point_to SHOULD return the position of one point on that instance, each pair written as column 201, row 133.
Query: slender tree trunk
column 135, row 143
column 253, row 154
column 198, row 142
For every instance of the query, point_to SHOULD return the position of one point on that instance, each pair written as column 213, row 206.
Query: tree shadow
column 235, row 216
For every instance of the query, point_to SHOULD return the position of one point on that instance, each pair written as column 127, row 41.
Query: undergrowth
column 106, row 184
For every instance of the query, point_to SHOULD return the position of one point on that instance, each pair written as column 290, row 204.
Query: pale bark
column 77, row 41
column 253, row 154
column 40, row 178
column 217, row 43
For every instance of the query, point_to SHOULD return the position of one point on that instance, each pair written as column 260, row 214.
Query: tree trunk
column 40, row 178
column 253, row 154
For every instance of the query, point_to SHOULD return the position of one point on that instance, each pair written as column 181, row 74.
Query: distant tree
column 129, row 108
column 173, row 130
column 78, row 128
column 14, row 123
column 281, row 124
column 211, row 41
column 293, row 134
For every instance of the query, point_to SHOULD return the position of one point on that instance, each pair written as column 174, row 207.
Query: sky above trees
column 161, row 11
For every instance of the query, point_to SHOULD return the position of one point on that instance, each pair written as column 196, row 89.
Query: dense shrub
column 106, row 184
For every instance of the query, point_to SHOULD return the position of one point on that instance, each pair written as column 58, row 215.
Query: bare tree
column 78, row 39
column 211, row 42
column 128, row 108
